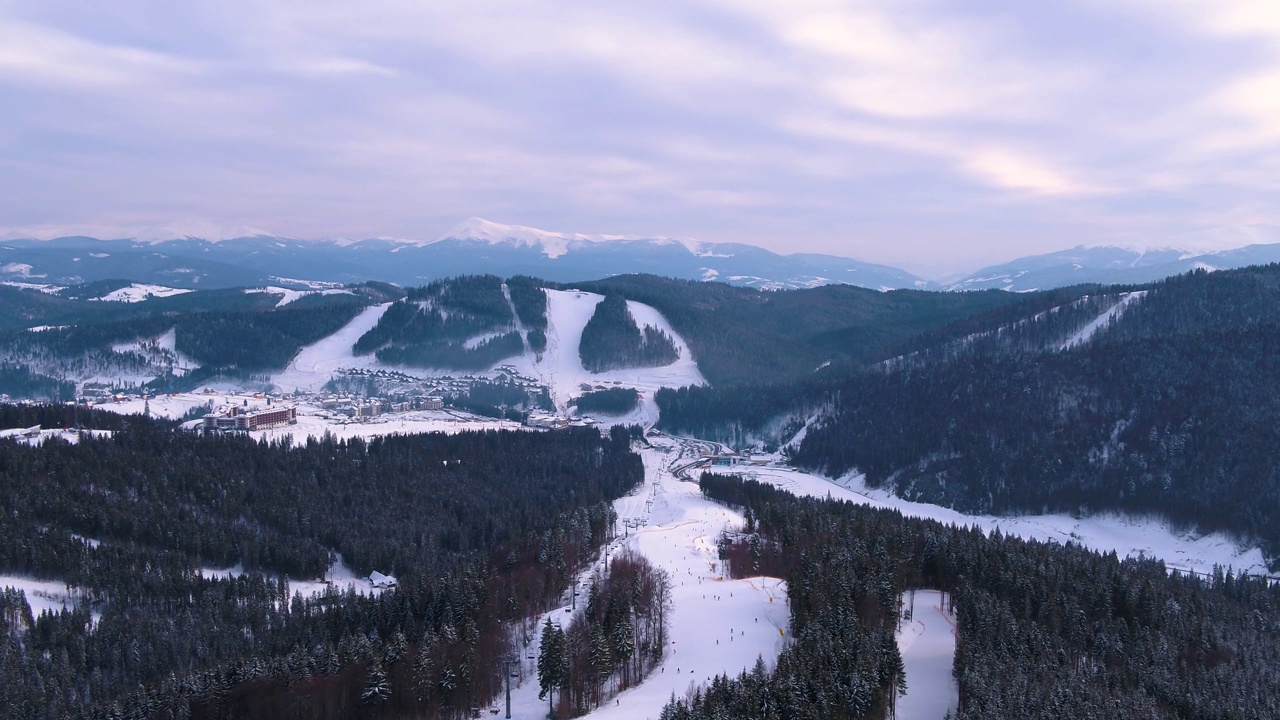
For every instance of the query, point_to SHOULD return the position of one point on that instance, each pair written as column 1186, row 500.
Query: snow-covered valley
column 719, row 625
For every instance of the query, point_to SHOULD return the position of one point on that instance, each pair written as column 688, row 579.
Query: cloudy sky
column 937, row 136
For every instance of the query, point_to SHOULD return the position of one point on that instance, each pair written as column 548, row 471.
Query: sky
column 935, row 136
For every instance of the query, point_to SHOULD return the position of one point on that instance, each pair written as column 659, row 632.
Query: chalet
column 382, row 582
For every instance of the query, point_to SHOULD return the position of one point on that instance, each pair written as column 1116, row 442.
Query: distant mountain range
column 481, row 246
column 1110, row 265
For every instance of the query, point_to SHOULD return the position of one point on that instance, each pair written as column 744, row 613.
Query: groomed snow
column 315, row 364
column 560, row 367
column 1088, row 331
column 719, row 626
column 928, row 646
column 137, row 292
column 1128, row 536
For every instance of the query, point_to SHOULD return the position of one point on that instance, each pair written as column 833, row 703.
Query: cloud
column 45, row 57
column 960, row 132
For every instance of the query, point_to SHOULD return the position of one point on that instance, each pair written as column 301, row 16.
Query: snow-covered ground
column 718, row 626
column 160, row 350
column 1128, row 536
column 42, row 287
column 1088, row 331
column 47, row 434
column 928, row 646
column 137, row 292
column 42, row 595
column 315, row 364
column 287, row 296
column 560, row 367
column 312, row 420
column 339, row 577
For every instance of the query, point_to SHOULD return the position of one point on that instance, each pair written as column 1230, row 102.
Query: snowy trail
column 560, row 368
column 928, row 646
column 1088, row 331
column 314, row 365
column 515, row 318
column 1128, row 536
column 719, row 626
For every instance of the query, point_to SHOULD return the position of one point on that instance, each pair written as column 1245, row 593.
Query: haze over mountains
column 479, row 245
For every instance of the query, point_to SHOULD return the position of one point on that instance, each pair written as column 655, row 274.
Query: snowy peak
column 475, row 229
column 552, row 244
column 1109, row 265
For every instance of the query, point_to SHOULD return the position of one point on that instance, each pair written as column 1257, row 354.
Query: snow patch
column 287, row 296
column 137, row 292
column 560, row 368
column 927, row 643
column 1088, row 331
column 1127, row 535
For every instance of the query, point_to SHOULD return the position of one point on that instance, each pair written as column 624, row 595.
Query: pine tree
column 376, row 687
column 551, row 662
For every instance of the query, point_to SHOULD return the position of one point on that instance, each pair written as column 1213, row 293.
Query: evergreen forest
column 1044, row 631
column 481, row 530
column 612, row 339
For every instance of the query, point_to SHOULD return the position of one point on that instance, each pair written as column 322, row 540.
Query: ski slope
column 928, row 645
column 315, row 364
column 560, row 368
column 1087, row 332
column 717, row 625
column 1127, row 535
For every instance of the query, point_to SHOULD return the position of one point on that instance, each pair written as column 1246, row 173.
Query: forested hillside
column 612, row 340
column 1150, row 399
column 1171, row 409
column 465, row 323
column 224, row 333
column 1044, row 631
column 481, row 529
column 739, row 335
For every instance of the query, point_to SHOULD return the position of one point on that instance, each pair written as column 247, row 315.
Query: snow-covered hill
column 474, row 246
column 559, row 367
column 1109, row 265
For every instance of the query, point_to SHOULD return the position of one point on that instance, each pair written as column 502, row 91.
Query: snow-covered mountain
column 475, row 246
column 1109, row 264
column 478, row 246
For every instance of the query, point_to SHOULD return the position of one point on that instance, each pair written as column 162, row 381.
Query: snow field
column 287, row 296
column 1128, row 536
column 315, row 364
column 151, row 347
column 137, row 292
column 718, row 626
column 42, row 595
column 560, row 367
column 1100, row 322
column 340, row 577
column 928, row 646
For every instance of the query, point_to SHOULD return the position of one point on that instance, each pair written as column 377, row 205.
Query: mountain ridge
column 480, row 245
